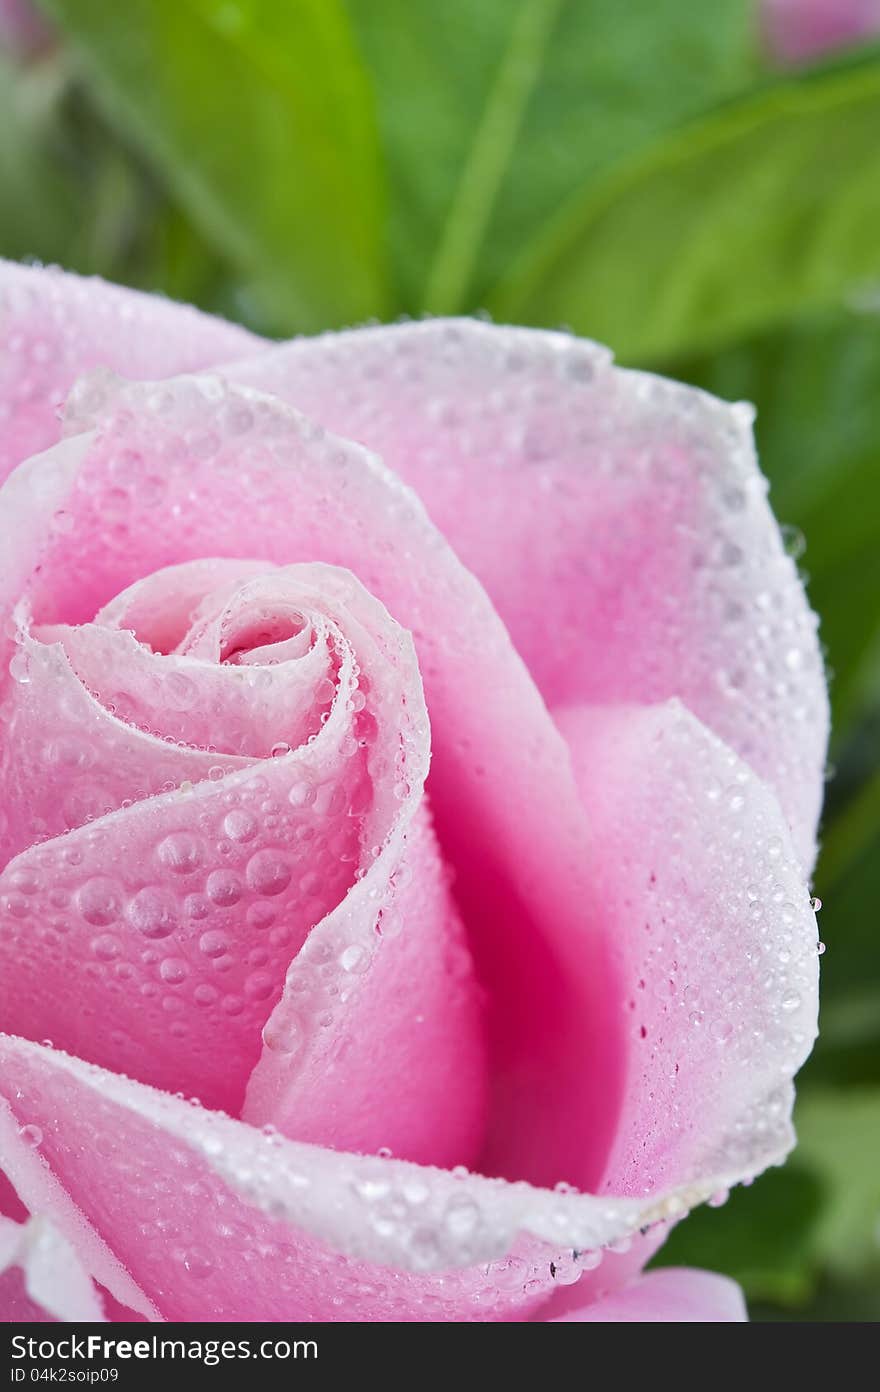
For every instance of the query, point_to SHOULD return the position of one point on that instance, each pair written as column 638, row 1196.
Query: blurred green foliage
column 639, row 172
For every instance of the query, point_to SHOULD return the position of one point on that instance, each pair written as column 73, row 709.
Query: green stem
column 850, row 833
column 450, row 274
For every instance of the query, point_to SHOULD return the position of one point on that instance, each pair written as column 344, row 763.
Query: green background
column 642, row 173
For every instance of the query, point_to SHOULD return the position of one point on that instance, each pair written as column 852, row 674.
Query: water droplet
column 99, row 900
column 214, row 943
column 197, row 1264
column 821, row 949
column 355, row 959
column 173, row 970
column 153, row 912
column 589, row 1261
column 196, row 906
column 283, row 1036
column 15, row 904
column 223, row 887
column 815, row 903
column 302, row 794
column 790, row 1003
column 268, row 873
column 565, row 1270
column 261, row 916
column 239, row 825
column 279, row 750
column 106, row 947
column 180, row 853
column 31, row 1135
column 19, row 667
column 258, row 986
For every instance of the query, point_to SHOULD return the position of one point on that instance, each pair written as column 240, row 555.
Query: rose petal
column 159, row 609
column 38, row 1189
column 215, row 707
column 672, row 1296
column 69, row 760
column 701, row 894
column 215, row 1220
column 41, row 1277
column 54, row 326
column 85, row 703
column 11, row 1205
column 378, row 1040
column 156, row 940
column 247, row 475
column 619, row 1266
column 617, row 520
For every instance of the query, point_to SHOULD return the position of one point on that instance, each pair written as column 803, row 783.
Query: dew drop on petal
column 355, row 959
column 106, row 947
column 153, row 912
column 99, row 900
column 239, row 825
column 197, row 1264
column 179, row 853
column 268, row 873
column 173, row 970
column 283, row 1036
column 223, row 887
column 214, row 943
column 19, row 668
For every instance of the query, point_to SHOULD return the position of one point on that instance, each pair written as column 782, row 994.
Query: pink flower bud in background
column 23, row 30
column 799, row 30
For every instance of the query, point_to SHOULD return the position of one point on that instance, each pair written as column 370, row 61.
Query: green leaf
column 259, row 116
column 766, row 207
column 839, row 1134
column 38, row 209
column 848, row 1048
column 762, row 1236
column 835, row 1302
column 493, row 112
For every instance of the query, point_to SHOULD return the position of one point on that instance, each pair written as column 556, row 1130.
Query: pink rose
column 566, row 982
column 798, row 30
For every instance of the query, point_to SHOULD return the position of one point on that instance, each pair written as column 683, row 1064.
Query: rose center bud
column 266, row 638
column 227, row 751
